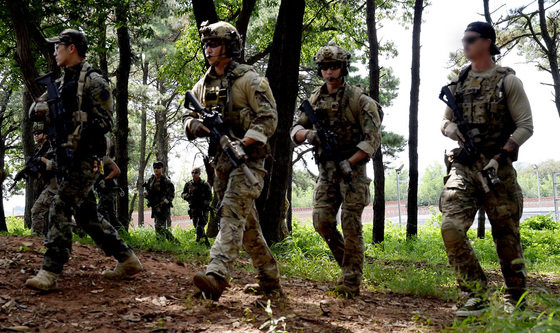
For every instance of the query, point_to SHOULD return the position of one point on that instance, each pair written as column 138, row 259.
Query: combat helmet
column 39, row 127
column 225, row 31
column 333, row 53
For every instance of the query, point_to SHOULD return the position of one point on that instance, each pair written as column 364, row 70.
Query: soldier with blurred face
column 493, row 104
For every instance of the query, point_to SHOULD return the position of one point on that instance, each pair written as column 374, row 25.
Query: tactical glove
column 195, row 127
column 165, row 201
column 312, row 138
column 492, row 166
column 101, row 184
column 50, row 165
column 451, row 130
column 345, row 168
column 38, row 111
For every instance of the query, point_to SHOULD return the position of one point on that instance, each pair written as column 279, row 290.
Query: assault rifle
column 329, row 144
column 212, row 120
column 32, row 166
column 58, row 126
column 470, row 154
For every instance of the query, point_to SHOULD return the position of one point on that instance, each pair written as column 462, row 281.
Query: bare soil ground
column 160, row 300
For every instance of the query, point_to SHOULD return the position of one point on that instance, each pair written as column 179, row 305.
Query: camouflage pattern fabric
column 198, row 195
column 239, row 225
column 40, row 210
column 331, row 194
column 75, row 197
column 460, row 199
column 252, row 113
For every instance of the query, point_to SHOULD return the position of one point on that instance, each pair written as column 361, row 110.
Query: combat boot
column 126, row 269
column 44, row 281
column 346, row 291
column 211, row 285
column 266, row 289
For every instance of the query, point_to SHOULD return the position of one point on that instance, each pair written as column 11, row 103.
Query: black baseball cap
column 157, row 164
column 72, row 36
column 486, row 31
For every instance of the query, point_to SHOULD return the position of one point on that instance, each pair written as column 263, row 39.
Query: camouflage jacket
column 197, row 194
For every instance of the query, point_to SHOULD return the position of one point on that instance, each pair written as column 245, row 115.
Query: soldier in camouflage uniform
column 106, row 188
column 249, row 113
column 355, row 118
column 46, row 182
column 160, row 192
column 86, row 95
column 198, row 194
column 492, row 101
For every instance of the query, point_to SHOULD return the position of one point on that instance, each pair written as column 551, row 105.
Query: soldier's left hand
column 165, row 201
column 345, row 167
column 492, row 165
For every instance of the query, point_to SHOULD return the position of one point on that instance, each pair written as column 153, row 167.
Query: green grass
column 416, row 267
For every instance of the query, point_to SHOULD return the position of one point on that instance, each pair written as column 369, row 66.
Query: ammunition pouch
column 258, row 151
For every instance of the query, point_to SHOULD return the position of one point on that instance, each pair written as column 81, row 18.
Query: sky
column 442, row 30
column 441, row 34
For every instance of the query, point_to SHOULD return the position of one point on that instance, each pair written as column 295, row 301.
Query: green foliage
column 16, row 226
column 431, row 185
column 540, row 222
column 391, row 185
column 527, row 178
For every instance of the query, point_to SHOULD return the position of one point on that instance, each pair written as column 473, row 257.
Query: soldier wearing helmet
column 355, row 119
column 248, row 110
column 46, row 182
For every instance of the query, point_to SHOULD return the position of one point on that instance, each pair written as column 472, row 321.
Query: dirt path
column 159, row 300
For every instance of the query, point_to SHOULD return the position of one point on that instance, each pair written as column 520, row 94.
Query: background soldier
column 355, row 119
column 160, row 193
column 85, row 94
column 46, row 181
column 106, row 187
column 493, row 102
column 249, row 112
column 198, row 194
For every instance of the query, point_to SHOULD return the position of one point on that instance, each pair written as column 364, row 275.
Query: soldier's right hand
column 451, row 130
column 196, row 128
column 312, row 138
column 50, row 165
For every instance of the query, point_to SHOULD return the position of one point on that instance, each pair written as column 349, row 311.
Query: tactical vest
column 341, row 113
column 482, row 101
column 72, row 87
column 217, row 94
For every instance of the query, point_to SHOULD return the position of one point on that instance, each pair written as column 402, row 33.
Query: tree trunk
column 412, row 222
column 103, row 64
column 121, row 130
column 142, row 164
column 243, row 21
column 28, row 143
column 283, row 74
column 481, row 223
column 3, row 137
column 551, row 54
column 378, row 234
column 204, row 10
column 487, row 16
column 161, row 139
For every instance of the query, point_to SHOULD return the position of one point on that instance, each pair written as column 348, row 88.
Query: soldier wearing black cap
column 198, row 193
column 86, row 95
column 493, row 103
column 160, row 193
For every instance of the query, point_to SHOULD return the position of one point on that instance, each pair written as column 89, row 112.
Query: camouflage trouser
column 108, row 209
column 161, row 215
column 75, row 197
column 330, row 193
column 239, row 224
column 199, row 217
column 40, row 210
column 460, row 199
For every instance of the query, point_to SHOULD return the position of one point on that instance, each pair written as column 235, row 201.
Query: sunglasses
column 332, row 66
column 37, row 133
column 212, row 43
column 158, row 167
column 470, row 39
column 195, row 173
